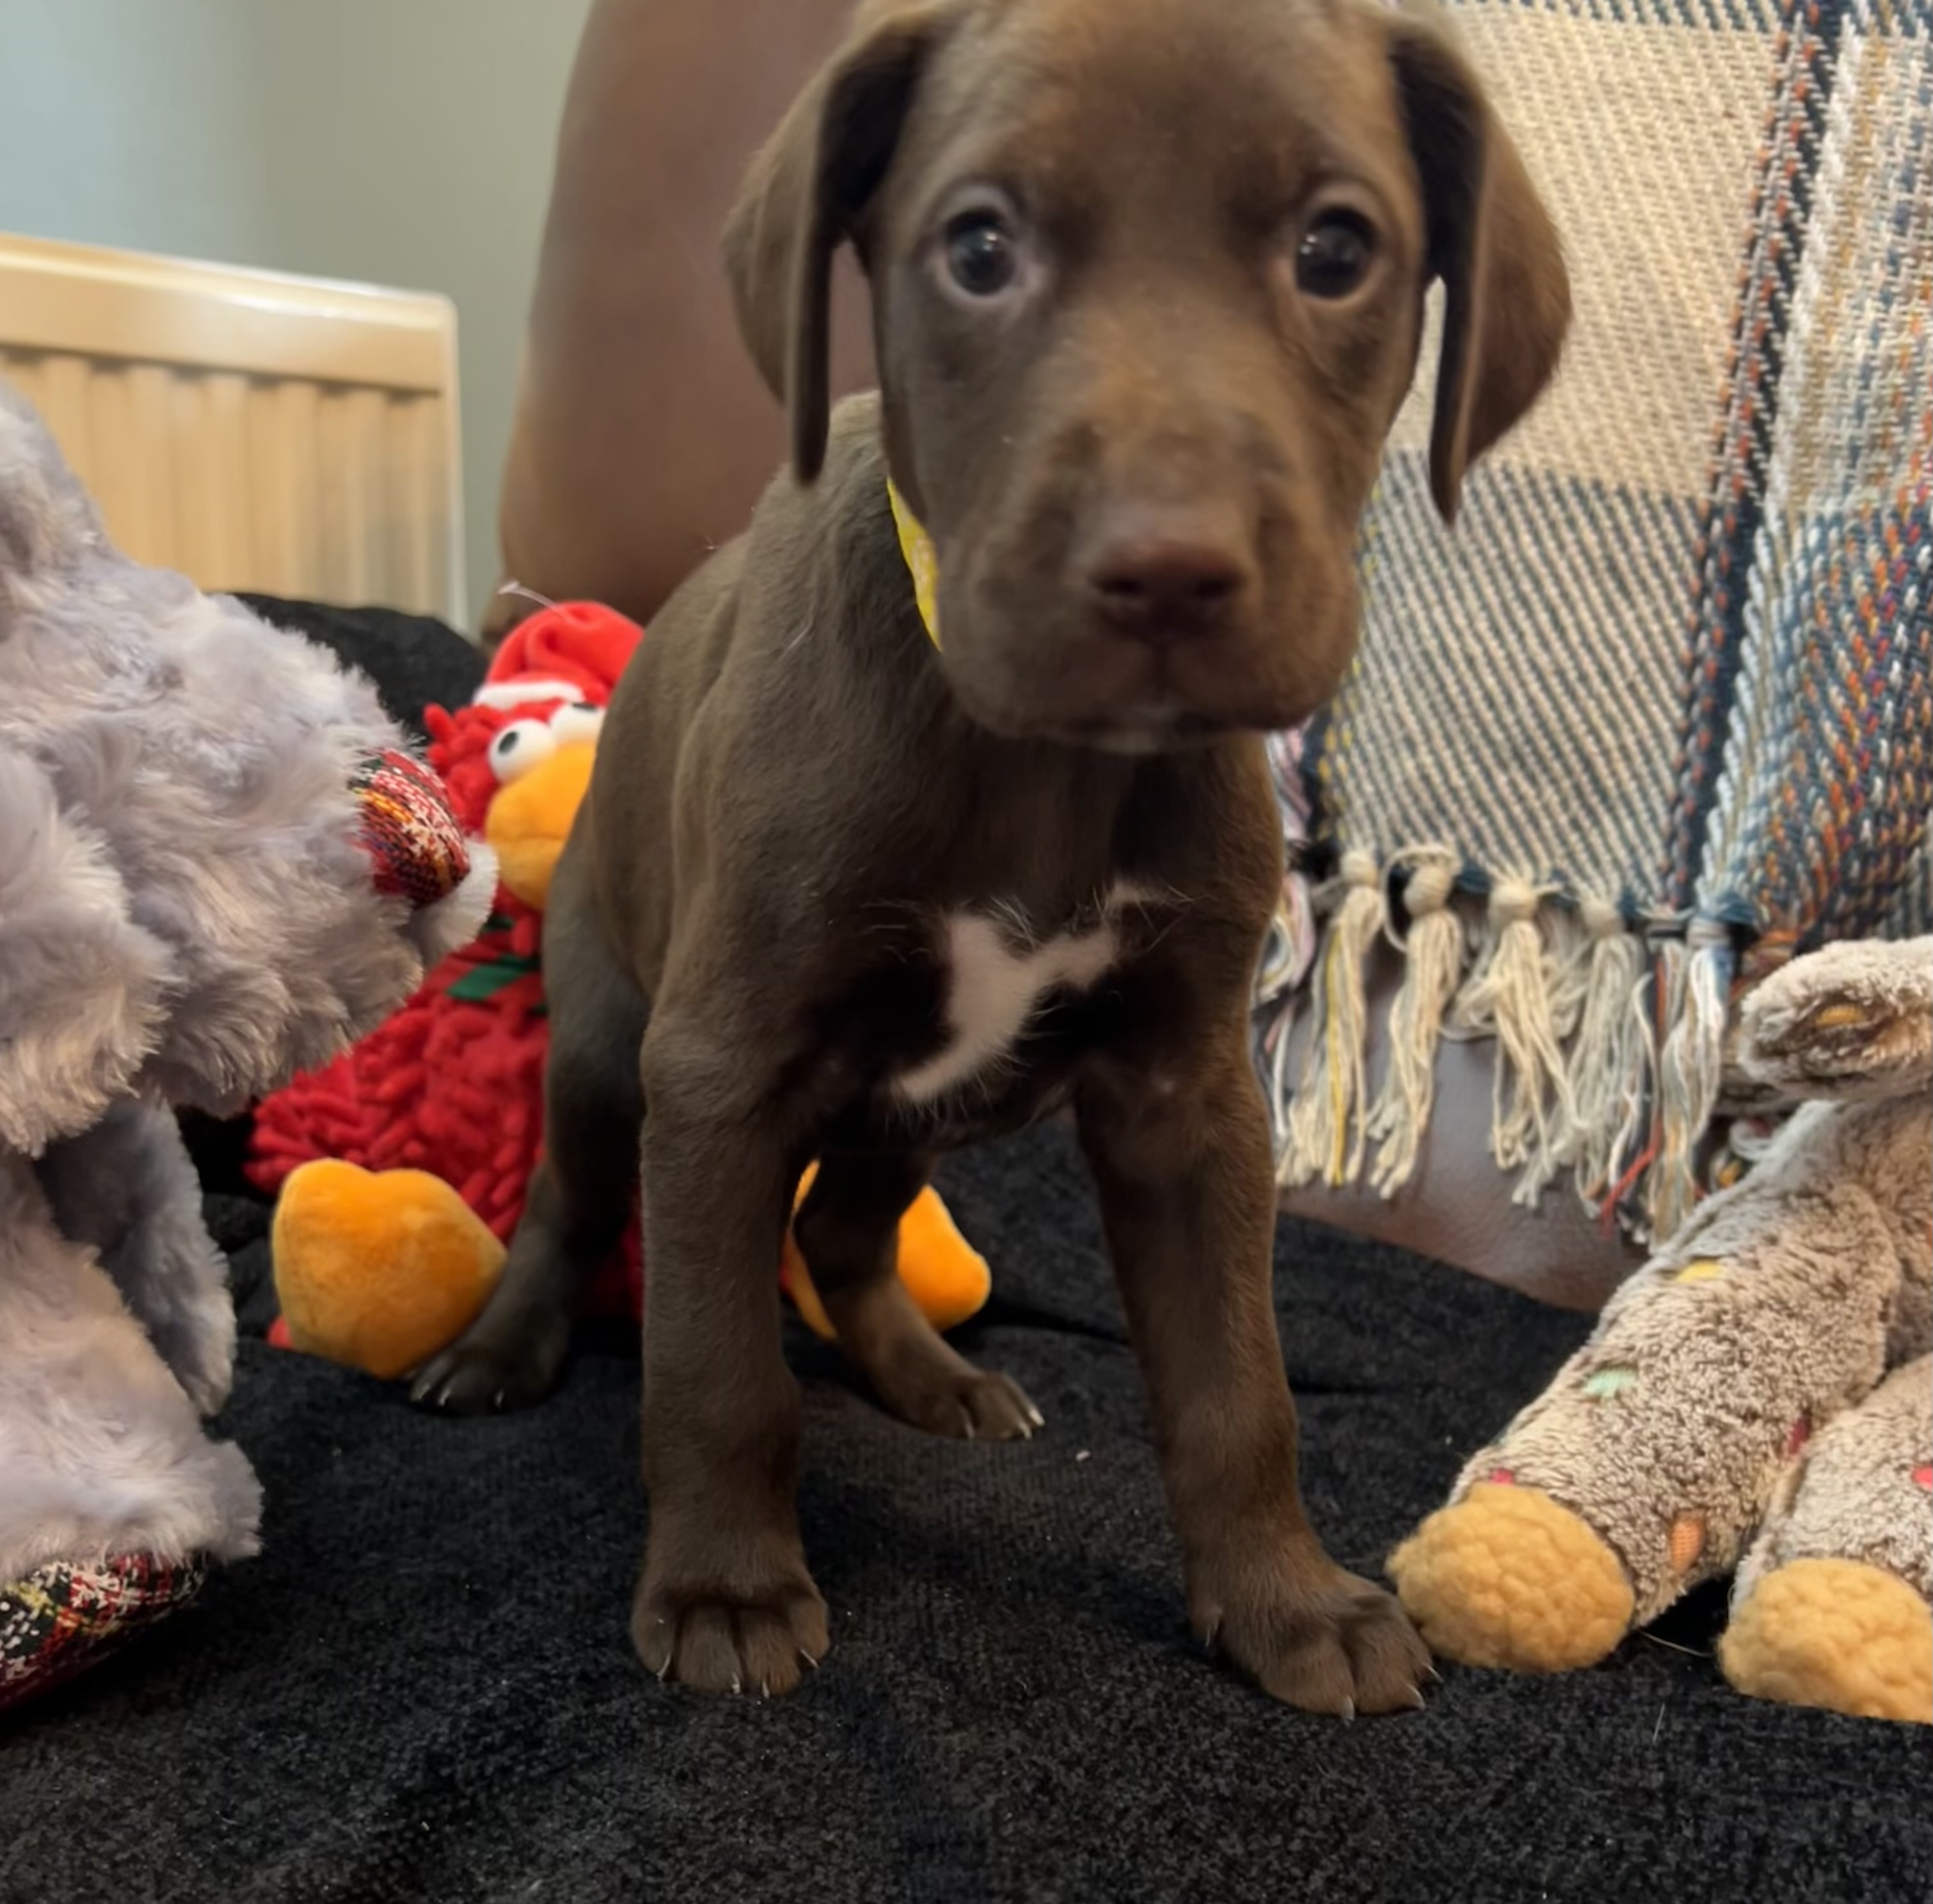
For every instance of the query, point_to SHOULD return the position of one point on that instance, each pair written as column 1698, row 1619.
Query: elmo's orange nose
column 529, row 820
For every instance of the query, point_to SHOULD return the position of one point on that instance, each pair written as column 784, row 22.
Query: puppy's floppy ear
column 802, row 196
column 1507, row 293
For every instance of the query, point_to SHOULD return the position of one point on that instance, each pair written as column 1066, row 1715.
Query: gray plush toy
column 219, row 865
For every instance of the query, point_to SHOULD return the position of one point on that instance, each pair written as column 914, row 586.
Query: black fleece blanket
column 423, row 1687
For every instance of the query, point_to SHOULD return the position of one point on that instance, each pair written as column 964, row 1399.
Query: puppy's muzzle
column 1164, row 574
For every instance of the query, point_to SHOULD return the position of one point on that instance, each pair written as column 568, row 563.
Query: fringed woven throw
column 1659, row 714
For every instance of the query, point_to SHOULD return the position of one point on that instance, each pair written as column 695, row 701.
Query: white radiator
column 252, row 430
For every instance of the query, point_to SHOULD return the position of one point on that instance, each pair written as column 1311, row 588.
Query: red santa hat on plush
column 572, row 652
column 569, row 651
column 547, row 687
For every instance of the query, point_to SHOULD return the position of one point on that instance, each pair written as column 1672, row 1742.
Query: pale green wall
column 399, row 142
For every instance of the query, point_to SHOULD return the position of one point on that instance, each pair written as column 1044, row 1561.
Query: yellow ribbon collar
column 922, row 564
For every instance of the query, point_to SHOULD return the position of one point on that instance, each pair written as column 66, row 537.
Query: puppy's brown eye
column 1334, row 253
column 981, row 254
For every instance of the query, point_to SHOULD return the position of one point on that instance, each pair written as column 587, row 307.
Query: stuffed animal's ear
column 802, row 196
column 1507, row 292
column 1850, row 1022
column 82, row 986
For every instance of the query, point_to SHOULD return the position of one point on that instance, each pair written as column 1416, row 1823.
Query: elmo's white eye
column 521, row 746
column 580, row 721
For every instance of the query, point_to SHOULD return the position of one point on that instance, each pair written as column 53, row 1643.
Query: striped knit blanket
column 1658, row 713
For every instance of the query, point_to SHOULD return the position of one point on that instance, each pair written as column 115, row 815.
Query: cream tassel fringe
column 1567, row 961
column 1433, row 959
column 1610, row 1048
column 1325, row 1122
column 1509, row 995
column 1288, row 956
column 1612, row 1199
column 1609, row 1060
column 1690, row 1068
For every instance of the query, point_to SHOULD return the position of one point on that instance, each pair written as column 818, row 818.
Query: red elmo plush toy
column 402, row 1167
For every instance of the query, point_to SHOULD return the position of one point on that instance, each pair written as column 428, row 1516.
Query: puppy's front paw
column 762, row 1640
column 494, row 1368
column 1316, row 1637
column 970, row 1405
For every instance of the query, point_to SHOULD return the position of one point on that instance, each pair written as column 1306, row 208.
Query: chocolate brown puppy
column 1147, row 280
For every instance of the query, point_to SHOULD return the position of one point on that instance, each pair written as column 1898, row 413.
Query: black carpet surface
column 423, row 1689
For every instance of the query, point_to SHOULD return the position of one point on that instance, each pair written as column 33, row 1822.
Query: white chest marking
column 994, row 986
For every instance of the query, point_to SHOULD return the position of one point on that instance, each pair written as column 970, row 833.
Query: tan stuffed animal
column 1757, row 1399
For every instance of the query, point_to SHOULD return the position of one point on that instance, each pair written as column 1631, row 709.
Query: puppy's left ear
column 804, row 196
column 1507, row 292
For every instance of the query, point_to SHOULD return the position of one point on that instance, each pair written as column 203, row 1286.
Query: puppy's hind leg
column 580, row 1194
column 847, row 1232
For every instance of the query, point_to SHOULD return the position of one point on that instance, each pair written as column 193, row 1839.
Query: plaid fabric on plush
column 63, row 1617
column 1661, row 705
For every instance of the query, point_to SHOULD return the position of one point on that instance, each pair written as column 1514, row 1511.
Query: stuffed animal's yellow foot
column 1840, row 1634
column 946, row 1276
column 379, row 1269
column 1506, row 1576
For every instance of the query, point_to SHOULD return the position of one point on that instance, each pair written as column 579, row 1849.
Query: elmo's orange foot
column 945, row 1276
column 379, row 1269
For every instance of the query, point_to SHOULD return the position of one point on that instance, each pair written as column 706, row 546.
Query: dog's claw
column 662, row 1671
column 755, row 1647
column 1035, row 1416
column 480, row 1375
column 1418, row 1700
column 808, row 1658
column 1324, row 1640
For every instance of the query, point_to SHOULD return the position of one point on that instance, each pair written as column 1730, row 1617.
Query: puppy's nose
column 1167, row 577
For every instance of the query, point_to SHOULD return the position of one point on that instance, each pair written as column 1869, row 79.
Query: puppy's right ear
column 802, row 198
